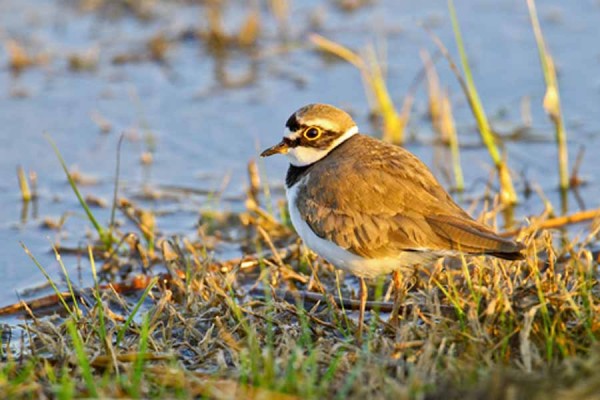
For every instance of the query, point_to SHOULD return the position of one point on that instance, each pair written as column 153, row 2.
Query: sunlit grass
column 507, row 191
column 449, row 129
column 476, row 315
column 23, row 184
column 552, row 97
column 442, row 118
column 394, row 123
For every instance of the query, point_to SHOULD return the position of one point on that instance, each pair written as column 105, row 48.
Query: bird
column 370, row 207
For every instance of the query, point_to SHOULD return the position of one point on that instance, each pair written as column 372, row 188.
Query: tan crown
column 325, row 116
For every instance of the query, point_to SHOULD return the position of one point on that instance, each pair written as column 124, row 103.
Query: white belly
column 342, row 258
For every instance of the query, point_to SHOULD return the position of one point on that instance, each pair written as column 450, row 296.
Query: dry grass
column 271, row 325
column 442, row 118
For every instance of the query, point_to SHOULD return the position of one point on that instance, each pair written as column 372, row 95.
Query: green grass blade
column 99, row 305
column 134, row 311
column 507, row 192
column 138, row 367
column 84, row 363
column 105, row 237
column 113, row 208
column 68, row 279
column 474, row 99
column 345, row 329
column 50, row 281
column 66, row 387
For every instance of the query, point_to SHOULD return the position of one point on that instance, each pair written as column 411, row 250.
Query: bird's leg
column 362, row 294
column 398, row 295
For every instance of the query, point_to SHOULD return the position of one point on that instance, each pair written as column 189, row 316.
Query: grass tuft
column 134, row 311
column 82, row 359
column 58, row 293
column 268, row 330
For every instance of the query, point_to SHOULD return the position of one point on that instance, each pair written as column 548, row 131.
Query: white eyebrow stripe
column 323, row 123
column 291, row 135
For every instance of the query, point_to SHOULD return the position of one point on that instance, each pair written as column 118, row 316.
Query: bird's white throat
column 301, row 156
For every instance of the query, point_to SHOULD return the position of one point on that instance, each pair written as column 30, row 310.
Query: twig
column 105, row 360
column 313, row 298
column 136, row 284
column 557, row 222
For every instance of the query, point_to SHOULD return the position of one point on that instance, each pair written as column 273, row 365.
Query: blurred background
column 198, row 88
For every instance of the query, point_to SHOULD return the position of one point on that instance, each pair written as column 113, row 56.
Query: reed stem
column 552, row 97
column 508, row 196
column 23, row 184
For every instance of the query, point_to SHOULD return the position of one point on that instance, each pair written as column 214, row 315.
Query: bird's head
column 312, row 132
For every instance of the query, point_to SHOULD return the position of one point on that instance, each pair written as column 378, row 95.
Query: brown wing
column 390, row 203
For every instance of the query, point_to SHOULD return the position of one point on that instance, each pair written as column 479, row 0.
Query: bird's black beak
column 280, row 148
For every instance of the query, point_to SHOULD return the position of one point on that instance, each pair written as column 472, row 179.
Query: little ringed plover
column 369, row 207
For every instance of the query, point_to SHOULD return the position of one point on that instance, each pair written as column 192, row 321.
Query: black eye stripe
column 326, row 138
column 302, row 127
column 291, row 142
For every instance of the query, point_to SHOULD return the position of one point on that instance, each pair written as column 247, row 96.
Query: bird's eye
column 312, row 133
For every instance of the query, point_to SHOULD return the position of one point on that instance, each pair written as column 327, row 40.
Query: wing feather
column 377, row 200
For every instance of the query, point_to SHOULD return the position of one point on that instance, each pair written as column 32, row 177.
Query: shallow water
column 201, row 133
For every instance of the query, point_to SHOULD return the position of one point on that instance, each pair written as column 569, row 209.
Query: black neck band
column 294, row 174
